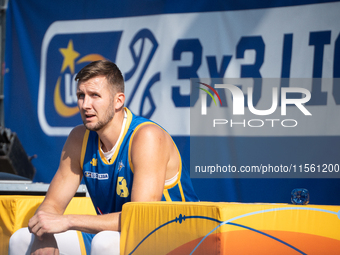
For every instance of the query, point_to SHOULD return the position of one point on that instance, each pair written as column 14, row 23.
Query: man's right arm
column 62, row 188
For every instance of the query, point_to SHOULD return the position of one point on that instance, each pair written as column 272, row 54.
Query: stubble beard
column 101, row 123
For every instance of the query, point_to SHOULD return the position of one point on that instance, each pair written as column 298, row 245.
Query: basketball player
column 121, row 157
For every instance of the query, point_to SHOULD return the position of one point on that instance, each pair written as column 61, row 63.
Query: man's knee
column 21, row 235
column 106, row 242
column 20, row 241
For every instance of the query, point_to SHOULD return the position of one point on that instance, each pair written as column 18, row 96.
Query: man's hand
column 47, row 223
column 46, row 246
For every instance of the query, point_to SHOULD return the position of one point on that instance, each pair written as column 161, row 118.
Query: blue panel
column 276, row 151
column 28, row 21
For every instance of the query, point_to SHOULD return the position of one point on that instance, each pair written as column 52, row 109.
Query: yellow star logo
column 69, row 56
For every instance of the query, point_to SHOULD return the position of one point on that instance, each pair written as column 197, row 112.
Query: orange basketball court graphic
column 229, row 228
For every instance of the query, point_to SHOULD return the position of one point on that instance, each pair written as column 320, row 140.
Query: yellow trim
column 181, row 191
column 166, row 195
column 179, row 155
column 179, row 170
column 128, row 122
column 81, row 243
column 133, row 134
column 83, row 148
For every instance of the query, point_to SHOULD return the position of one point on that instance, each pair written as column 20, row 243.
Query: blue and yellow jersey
column 109, row 183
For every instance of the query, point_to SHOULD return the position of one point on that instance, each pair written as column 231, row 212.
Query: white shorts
column 69, row 243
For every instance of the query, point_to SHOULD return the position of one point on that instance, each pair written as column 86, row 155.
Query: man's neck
column 110, row 133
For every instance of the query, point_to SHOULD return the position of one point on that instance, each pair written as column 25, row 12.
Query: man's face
column 95, row 102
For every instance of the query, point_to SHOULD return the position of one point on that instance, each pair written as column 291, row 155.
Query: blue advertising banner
column 160, row 46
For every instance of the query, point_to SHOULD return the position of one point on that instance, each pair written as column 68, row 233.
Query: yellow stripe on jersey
column 179, row 173
column 131, row 139
column 179, row 155
column 81, row 243
column 166, row 187
column 179, row 169
column 166, row 195
column 83, row 148
column 127, row 125
column 181, row 191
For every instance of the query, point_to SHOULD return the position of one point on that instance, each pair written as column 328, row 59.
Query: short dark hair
column 103, row 68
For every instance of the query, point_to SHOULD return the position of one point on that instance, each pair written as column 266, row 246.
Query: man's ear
column 119, row 100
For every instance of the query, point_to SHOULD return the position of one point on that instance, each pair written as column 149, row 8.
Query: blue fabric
column 87, row 241
column 110, row 183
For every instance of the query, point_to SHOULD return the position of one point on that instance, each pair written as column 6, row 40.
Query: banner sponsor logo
column 64, row 52
column 159, row 54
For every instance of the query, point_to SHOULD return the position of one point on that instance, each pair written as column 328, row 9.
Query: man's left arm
column 151, row 153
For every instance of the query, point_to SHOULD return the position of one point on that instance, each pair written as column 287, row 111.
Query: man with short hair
column 122, row 158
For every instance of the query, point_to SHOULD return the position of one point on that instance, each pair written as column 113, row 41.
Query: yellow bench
column 229, row 228
column 201, row 228
column 15, row 211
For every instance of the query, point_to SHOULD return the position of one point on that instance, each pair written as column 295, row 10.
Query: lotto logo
column 67, row 47
column 93, row 175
